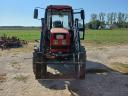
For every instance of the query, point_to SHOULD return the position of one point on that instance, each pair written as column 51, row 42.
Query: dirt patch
column 123, row 60
column 21, row 77
column 3, row 77
column 16, row 65
column 101, row 80
column 119, row 63
column 121, row 67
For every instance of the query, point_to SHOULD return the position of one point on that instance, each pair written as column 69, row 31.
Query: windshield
column 57, row 19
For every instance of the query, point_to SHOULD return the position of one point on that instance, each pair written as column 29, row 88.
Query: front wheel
column 80, row 66
column 39, row 69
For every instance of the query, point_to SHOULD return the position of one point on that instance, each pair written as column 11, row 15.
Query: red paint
column 54, row 31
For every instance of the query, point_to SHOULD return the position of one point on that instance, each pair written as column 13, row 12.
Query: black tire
column 83, row 66
column 39, row 69
column 80, row 68
column 34, row 62
column 44, row 71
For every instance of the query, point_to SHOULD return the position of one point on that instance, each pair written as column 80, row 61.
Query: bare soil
column 107, row 69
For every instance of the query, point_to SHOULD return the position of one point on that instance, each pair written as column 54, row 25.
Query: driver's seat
column 57, row 24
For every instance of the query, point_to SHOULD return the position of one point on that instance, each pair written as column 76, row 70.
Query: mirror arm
column 78, row 9
column 40, row 8
column 76, row 12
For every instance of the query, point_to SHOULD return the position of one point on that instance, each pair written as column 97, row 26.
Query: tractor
column 61, row 33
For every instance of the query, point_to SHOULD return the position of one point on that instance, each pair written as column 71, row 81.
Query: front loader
column 59, row 43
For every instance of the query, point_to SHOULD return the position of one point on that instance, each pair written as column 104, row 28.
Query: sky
column 20, row 12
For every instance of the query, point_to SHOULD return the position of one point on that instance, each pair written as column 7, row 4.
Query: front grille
column 59, row 47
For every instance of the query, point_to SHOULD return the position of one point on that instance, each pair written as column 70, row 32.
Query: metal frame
column 83, row 29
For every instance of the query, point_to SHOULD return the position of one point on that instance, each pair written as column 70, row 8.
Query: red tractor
column 60, row 41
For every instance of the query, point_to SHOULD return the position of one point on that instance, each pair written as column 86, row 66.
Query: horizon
column 20, row 13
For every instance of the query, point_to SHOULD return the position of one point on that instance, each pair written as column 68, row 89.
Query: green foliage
column 95, row 24
column 113, row 20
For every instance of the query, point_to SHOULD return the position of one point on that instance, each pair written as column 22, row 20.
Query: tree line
column 109, row 20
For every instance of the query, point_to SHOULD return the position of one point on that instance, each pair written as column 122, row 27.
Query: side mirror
column 35, row 13
column 82, row 14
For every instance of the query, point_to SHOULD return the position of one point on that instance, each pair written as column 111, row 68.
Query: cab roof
column 59, row 7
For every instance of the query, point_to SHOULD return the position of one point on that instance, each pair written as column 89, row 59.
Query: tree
column 126, row 17
column 122, row 20
column 93, row 17
column 111, row 18
column 114, row 17
column 120, row 17
column 100, row 20
column 102, row 17
column 94, row 24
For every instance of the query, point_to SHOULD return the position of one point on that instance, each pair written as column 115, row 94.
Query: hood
column 59, row 30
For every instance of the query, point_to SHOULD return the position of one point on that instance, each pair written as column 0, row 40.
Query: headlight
column 64, row 42
column 55, row 42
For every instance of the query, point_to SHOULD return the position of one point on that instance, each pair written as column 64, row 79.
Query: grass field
column 117, row 36
column 24, row 34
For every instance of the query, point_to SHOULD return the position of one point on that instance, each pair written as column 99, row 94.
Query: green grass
column 117, row 36
column 24, row 34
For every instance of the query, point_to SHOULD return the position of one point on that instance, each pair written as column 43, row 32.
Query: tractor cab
column 58, row 22
column 58, row 15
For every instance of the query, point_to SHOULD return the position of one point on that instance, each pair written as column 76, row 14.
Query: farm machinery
column 11, row 42
column 59, row 42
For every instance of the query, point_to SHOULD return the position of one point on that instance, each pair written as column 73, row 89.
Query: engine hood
column 59, row 30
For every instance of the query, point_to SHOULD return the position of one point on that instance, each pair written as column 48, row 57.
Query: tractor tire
column 39, row 69
column 34, row 62
column 80, row 67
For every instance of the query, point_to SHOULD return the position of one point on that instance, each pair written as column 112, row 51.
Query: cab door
column 79, row 18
